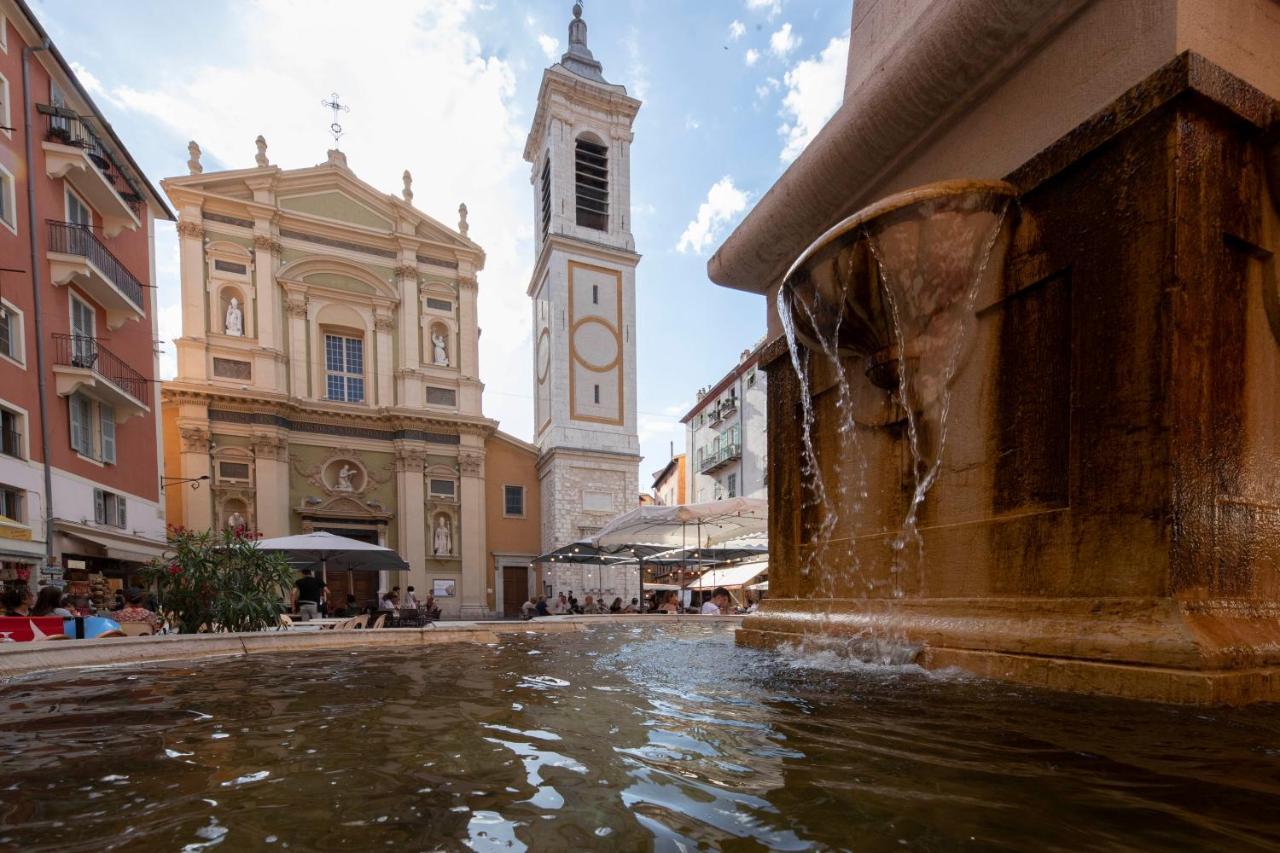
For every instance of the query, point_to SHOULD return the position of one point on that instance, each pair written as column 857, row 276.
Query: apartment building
column 80, row 466
column 726, row 442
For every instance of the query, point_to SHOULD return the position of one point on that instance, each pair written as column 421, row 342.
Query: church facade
column 328, row 379
column 583, row 299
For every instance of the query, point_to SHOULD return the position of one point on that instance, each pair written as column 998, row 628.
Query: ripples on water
column 616, row 739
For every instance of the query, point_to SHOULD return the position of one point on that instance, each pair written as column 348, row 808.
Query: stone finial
column 193, row 163
column 463, row 227
column 337, row 158
column 407, row 192
column 578, row 57
column 261, row 156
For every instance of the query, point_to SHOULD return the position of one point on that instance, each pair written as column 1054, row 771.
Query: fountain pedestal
column 1106, row 512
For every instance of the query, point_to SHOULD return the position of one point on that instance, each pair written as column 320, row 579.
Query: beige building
column 328, row 377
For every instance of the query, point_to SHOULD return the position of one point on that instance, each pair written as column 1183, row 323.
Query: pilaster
column 296, row 307
column 411, row 461
column 385, row 373
column 194, row 459
column 271, row 476
column 474, row 559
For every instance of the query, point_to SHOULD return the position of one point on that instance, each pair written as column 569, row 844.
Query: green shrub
column 220, row 577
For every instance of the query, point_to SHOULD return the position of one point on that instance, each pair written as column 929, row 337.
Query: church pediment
column 337, row 205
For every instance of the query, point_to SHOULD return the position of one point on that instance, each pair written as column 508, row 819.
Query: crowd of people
column 311, row 601
column 130, row 606
column 720, row 603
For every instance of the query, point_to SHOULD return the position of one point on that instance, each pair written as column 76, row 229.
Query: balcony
column 74, row 152
column 715, row 459
column 75, row 254
column 81, row 364
column 728, row 406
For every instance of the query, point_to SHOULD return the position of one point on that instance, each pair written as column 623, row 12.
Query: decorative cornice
column 271, row 447
column 296, row 305
column 190, row 229
column 468, row 283
column 383, row 323
column 411, row 460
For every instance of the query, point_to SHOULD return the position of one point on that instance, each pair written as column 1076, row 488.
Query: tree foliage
column 221, row 578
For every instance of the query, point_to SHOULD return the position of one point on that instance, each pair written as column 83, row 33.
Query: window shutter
column 107, row 430
column 120, row 516
column 99, row 506
column 78, row 426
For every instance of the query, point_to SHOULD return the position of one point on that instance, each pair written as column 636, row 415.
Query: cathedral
column 328, row 369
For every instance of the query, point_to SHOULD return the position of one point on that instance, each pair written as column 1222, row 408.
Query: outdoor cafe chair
column 379, row 622
column 410, row 618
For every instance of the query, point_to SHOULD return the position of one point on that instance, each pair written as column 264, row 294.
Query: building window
column 751, row 379
column 344, row 368
column 78, row 213
column 84, row 349
column 11, row 503
column 8, row 201
column 231, row 267
column 4, row 98
column 733, row 485
column 11, row 344
column 595, row 294
column 11, row 433
column 441, row 396
column 109, row 508
column 592, row 179
column 513, row 501
column 93, row 428
column 443, row 489
column 546, row 196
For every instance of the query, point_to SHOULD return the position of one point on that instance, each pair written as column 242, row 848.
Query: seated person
column 527, row 609
column 616, row 607
column 17, row 602
column 541, row 609
column 717, row 604
column 390, row 600
column 49, row 603
column 352, row 609
column 133, row 610
column 590, row 606
column 633, row 607
column 429, row 608
column 669, row 603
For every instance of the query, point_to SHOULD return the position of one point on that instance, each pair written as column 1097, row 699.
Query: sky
column 732, row 89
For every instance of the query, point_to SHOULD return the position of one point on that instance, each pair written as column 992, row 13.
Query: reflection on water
column 615, row 739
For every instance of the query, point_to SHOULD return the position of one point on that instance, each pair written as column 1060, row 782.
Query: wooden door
column 515, row 589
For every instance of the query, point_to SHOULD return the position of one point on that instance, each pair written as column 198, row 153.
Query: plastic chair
column 285, row 622
column 379, row 622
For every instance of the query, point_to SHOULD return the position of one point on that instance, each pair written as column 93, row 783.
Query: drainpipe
column 37, row 300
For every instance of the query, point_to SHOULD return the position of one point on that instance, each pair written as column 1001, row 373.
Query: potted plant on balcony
column 60, row 134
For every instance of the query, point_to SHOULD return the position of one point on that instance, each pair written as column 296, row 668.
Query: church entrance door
column 515, row 589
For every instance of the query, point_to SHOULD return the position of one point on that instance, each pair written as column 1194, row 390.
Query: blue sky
column 732, row 90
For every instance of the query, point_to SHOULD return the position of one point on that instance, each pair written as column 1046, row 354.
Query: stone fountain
column 1029, row 425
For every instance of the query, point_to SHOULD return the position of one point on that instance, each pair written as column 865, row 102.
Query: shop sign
column 10, row 529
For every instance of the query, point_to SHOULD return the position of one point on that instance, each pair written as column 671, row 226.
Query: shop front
column 96, row 564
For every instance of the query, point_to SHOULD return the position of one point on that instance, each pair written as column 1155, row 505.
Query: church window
column 592, row 177
column 546, row 196
column 344, row 368
column 513, row 501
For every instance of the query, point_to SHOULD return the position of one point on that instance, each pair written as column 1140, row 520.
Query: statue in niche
column 442, row 538
column 343, row 483
column 235, row 318
column 440, row 355
column 235, row 521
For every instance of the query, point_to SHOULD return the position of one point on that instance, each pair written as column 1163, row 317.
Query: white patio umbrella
column 701, row 525
column 325, row 551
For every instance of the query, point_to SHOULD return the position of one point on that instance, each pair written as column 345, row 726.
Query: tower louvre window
column 546, row 196
column 592, row 177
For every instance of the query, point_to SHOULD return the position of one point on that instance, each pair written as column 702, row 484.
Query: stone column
column 474, row 594
column 271, row 478
column 411, row 461
column 296, row 306
column 191, row 360
column 384, row 365
column 194, row 458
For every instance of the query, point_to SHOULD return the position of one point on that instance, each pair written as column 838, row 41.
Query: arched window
column 592, row 177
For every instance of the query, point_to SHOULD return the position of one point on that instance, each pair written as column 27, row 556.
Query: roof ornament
column 578, row 58
column 193, row 163
column 407, row 192
column 337, row 107
column 261, row 156
column 463, row 227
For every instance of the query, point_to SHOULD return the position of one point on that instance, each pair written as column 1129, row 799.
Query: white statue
column 344, row 479
column 442, row 540
column 235, row 318
column 193, row 164
column 235, row 521
column 440, row 354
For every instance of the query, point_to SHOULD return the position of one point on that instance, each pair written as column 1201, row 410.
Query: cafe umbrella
column 324, row 551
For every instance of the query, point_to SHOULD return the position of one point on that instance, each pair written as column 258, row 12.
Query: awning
column 131, row 549
column 733, row 576
column 687, row 525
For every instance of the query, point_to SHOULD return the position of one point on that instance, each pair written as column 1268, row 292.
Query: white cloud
column 752, row 56
column 691, row 123
column 736, row 30
column 815, row 88
column 637, row 70
column 770, row 7
column 783, row 41
column 768, row 87
column 274, row 86
column 724, row 203
column 550, row 45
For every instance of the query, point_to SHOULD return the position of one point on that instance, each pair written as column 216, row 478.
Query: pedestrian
column 309, row 595
column 718, row 604
column 561, row 605
column 542, row 606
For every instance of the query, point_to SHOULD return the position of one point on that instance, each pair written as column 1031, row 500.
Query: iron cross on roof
column 333, row 104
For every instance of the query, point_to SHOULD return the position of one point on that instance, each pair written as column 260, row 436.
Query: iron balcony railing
column 68, row 238
column 85, row 351
column 713, row 459
column 66, row 127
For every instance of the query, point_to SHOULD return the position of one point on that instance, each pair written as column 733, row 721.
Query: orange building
column 513, row 514
column 670, row 485
column 77, row 330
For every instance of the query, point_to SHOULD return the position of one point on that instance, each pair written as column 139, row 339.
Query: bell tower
column 583, row 294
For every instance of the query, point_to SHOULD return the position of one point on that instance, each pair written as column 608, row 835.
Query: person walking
column 309, row 595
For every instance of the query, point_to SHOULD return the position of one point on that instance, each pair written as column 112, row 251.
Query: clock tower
column 583, row 295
